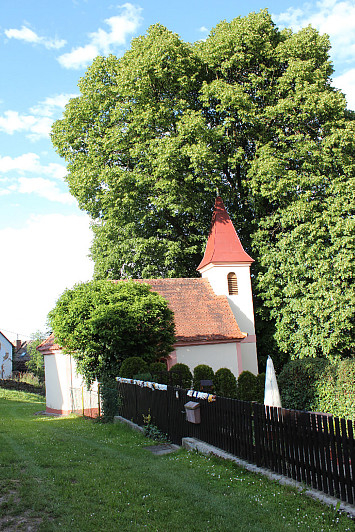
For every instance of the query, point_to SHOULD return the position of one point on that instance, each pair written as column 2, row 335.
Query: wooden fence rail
column 313, row 448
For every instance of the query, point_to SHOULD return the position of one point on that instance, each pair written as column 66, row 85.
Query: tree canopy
column 102, row 323
column 249, row 112
column 35, row 364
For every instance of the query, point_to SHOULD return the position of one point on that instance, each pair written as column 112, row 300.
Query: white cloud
column 334, row 17
column 102, row 41
column 346, row 83
column 52, row 104
column 44, row 188
column 20, row 183
column 79, row 57
column 38, row 123
column 30, row 162
column 203, row 29
column 13, row 122
column 28, row 35
column 50, row 255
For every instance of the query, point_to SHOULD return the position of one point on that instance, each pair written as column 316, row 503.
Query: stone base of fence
column 134, row 426
column 193, row 444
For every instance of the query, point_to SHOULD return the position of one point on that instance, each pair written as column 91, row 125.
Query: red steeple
column 223, row 243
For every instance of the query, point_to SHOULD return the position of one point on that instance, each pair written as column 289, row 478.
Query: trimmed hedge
column 319, row 385
column 299, row 383
column 180, row 375
column 225, row 383
column 202, row 372
column 251, row 387
column 260, row 388
column 159, row 372
column 132, row 366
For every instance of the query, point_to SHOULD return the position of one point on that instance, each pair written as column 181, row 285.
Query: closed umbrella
column 272, row 394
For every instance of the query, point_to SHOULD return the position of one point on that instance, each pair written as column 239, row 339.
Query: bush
column 29, row 378
column 336, row 389
column 102, row 323
column 159, row 372
column 36, row 362
column 143, row 377
column 246, row 386
column 202, row 372
column 260, row 388
column 132, row 366
column 109, row 400
column 225, row 383
column 180, row 375
column 299, row 383
column 345, row 389
column 23, row 386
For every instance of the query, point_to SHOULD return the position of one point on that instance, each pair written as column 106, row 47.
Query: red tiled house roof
column 200, row 315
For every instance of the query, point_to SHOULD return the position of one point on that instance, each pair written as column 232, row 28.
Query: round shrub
column 260, row 388
column 159, row 372
column 299, row 383
column 109, row 399
column 225, row 383
column 133, row 366
column 202, row 372
column 143, row 377
column 246, row 386
column 180, row 375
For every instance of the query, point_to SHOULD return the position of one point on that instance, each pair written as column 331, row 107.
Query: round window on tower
column 232, row 284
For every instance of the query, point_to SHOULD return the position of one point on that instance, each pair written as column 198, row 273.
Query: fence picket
column 351, row 441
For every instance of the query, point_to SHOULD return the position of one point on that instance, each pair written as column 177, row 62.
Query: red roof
column 200, row 315
column 223, row 243
column 48, row 346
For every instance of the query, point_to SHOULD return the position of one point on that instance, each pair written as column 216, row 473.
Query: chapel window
column 232, row 284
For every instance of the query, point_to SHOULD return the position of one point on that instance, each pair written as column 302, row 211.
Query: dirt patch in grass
column 9, row 522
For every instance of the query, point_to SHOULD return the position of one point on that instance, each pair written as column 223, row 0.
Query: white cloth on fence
column 143, row 384
column 163, row 387
column 201, row 395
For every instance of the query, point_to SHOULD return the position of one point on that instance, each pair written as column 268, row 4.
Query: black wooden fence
column 316, row 449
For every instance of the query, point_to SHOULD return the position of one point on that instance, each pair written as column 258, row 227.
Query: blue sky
column 45, row 47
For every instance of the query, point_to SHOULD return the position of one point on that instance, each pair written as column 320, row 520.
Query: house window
column 232, row 284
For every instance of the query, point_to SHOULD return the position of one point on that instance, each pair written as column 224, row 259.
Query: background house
column 6, row 348
column 20, row 356
column 213, row 315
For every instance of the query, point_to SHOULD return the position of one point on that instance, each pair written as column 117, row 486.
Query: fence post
column 82, row 400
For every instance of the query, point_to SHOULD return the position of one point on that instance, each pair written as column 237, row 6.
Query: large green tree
column 249, row 112
column 102, row 323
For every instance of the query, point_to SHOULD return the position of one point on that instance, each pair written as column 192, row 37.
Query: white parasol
column 272, row 394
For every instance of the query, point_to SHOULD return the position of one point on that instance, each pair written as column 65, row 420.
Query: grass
column 74, row 474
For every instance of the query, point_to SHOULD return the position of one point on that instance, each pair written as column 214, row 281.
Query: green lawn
column 72, row 474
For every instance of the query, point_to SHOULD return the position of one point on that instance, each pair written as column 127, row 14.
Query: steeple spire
column 223, row 245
